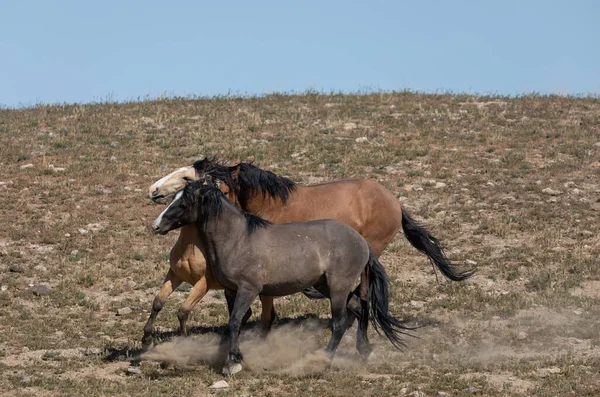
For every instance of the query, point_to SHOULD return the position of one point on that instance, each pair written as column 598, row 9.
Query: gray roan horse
column 249, row 256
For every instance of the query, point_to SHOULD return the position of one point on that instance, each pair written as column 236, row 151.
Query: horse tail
column 422, row 240
column 378, row 297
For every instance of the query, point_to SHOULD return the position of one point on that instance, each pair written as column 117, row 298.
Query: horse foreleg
column 268, row 314
column 171, row 282
column 196, row 293
column 243, row 299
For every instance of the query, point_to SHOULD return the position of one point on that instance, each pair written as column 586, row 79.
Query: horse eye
column 187, row 179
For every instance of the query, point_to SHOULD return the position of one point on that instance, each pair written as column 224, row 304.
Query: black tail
column 422, row 240
column 378, row 295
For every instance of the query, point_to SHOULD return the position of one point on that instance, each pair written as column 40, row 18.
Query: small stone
column 106, row 191
column 123, row 311
column 521, row 335
column 440, row 185
column 26, row 379
column 417, row 304
column 58, row 169
column 67, row 235
column 93, row 351
column 4, row 287
column 220, row 384
column 40, row 268
column 403, row 391
column 349, row 126
column 551, row 192
column 586, row 233
column 471, row 389
column 322, row 381
column 569, row 184
column 576, row 191
column 361, row 139
column 443, row 393
column 83, row 231
column 40, row 289
column 470, row 262
column 113, row 158
column 16, row 268
column 579, row 312
column 549, row 371
column 134, row 371
column 25, row 166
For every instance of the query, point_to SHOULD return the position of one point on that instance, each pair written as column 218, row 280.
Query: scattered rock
column 443, row 393
column 94, row 227
column 83, row 231
column 470, row 262
column 471, row 389
column 521, row 335
column 569, row 184
column 417, row 304
column 551, row 192
column 106, row 191
column 403, row 391
column 26, row 379
column 322, row 381
column 576, row 191
column 40, row 289
column 93, row 351
column 579, row 312
column 134, row 371
column 549, row 371
column 220, row 384
column 440, row 185
column 349, row 126
column 123, row 311
column 67, row 235
column 361, row 139
column 25, row 166
column 16, row 268
column 586, row 233
column 4, row 287
column 40, row 268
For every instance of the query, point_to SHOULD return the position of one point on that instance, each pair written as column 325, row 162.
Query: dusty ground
column 510, row 184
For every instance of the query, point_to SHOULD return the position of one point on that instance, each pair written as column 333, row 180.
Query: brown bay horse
column 249, row 256
column 363, row 204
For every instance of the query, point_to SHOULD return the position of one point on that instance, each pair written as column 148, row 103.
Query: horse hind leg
column 362, row 339
column 268, row 315
column 171, row 283
column 340, row 321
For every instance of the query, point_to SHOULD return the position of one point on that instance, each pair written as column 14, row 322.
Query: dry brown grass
column 475, row 169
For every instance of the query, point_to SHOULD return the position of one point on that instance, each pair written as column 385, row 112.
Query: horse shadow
column 133, row 353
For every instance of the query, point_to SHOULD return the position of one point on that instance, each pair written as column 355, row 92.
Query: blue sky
column 82, row 51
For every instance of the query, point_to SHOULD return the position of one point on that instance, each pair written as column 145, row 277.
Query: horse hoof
column 232, row 369
column 147, row 346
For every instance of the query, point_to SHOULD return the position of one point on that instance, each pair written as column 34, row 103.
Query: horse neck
column 263, row 206
column 229, row 226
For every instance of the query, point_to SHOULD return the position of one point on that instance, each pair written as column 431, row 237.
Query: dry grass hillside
column 509, row 184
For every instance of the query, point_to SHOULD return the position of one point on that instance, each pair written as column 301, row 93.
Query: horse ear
column 235, row 170
column 200, row 166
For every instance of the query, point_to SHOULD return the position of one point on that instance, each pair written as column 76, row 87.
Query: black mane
column 209, row 197
column 255, row 222
column 250, row 179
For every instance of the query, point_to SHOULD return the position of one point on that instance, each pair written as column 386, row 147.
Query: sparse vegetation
column 509, row 183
